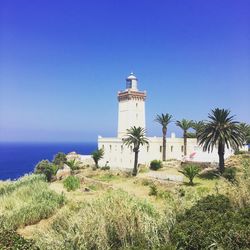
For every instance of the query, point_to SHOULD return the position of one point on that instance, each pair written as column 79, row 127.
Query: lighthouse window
column 172, row 148
column 147, row 148
column 160, row 148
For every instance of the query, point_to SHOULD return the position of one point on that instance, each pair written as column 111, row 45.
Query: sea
column 18, row 159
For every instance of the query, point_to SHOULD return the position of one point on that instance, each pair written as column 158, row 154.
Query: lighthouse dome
column 131, row 76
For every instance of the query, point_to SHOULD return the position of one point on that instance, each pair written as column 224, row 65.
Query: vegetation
column 47, row 168
column 190, row 171
column 230, row 174
column 73, row 164
column 164, row 120
column 115, row 221
column 155, row 164
column 71, row 183
column 213, row 222
column 245, row 128
column 198, row 126
column 97, row 156
column 185, row 125
column 221, row 130
column 27, row 201
column 10, row 239
column 60, row 159
column 136, row 137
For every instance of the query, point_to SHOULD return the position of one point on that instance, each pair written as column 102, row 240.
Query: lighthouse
column 131, row 106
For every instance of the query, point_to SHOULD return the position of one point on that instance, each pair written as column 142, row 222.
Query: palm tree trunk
column 221, row 152
column 164, row 132
column 185, row 143
column 135, row 162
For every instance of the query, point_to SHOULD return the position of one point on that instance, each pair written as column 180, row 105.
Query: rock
column 63, row 172
column 87, row 189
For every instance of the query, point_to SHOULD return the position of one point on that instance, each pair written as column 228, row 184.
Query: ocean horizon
column 20, row 158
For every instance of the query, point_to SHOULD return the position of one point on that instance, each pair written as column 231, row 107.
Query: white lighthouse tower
column 131, row 111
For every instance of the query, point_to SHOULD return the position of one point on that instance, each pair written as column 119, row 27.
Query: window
column 110, row 147
column 172, row 148
column 160, row 148
column 103, row 147
column 131, row 149
column 122, row 148
column 182, row 148
column 147, row 148
column 136, row 116
column 136, row 104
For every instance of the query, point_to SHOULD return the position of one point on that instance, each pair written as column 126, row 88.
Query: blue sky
column 62, row 63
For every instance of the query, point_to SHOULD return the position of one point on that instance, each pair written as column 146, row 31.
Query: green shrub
column 116, row 220
column 73, row 164
column 71, row 183
column 11, row 240
column 47, row 168
column 105, row 168
column 155, row 165
column 212, row 221
column 230, row 174
column 190, row 171
column 153, row 190
column 59, row 159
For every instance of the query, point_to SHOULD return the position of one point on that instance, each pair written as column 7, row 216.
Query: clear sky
column 62, row 63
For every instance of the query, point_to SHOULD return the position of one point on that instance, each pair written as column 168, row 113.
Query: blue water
column 17, row 159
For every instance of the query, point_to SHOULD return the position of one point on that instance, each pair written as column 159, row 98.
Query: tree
column 185, row 125
column 97, row 155
column 245, row 128
column 73, row 164
column 221, row 131
column 47, row 168
column 190, row 171
column 59, row 159
column 198, row 126
column 136, row 137
column 164, row 120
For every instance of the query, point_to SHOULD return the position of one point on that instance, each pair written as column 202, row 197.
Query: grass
column 27, row 201
column 117, row 220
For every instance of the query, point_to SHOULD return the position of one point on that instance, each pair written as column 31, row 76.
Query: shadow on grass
column 188, row 184
column 210, row 175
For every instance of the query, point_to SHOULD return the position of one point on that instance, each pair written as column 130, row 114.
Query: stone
column 63, row 172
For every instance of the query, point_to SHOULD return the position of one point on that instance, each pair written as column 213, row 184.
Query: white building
column 131, row 112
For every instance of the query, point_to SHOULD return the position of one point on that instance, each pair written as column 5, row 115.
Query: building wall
column 130, row 113
column 117, row 155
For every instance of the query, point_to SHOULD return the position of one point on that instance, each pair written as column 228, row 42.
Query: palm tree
column 185, row 125
column 190, row 171
column 136, row 137
column 164, row 120
column 198, row 126
column 245, row 128
column 97, row 155
column 221, row 130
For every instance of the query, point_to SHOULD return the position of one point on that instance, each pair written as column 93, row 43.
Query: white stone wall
column 130, row 113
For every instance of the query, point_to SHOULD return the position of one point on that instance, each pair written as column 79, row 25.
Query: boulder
column 63, row 172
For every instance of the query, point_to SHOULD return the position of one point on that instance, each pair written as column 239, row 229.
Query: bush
column 47, row 168
column 73, row 164
column 71, row 183
column 155, row 165
column 190, row 171
column 230, row 174
column 59, row 159
column 10, row 240
column 213, row 221
column 153, row 190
